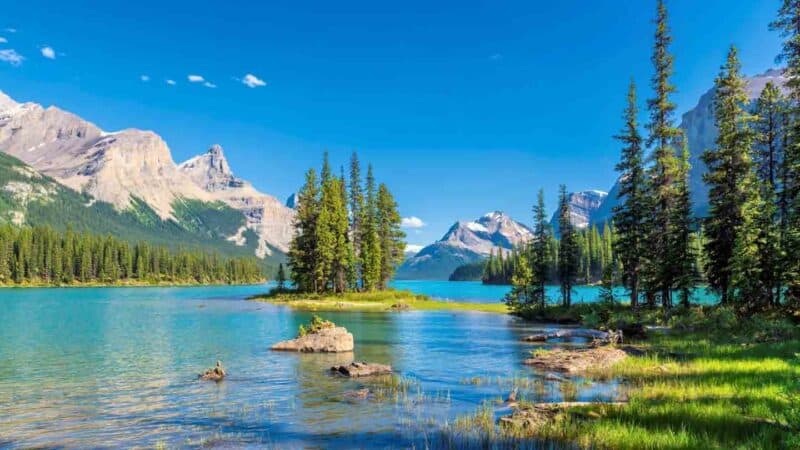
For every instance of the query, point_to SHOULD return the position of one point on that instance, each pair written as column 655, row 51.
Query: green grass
column 390, row 300
column 693, row 391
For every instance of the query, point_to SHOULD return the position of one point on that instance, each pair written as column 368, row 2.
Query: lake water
column 475, row 291
column 110, row 367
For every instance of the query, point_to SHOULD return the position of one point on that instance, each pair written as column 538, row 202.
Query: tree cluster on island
column 746, row 248
column 44, row 256
column 347, row 233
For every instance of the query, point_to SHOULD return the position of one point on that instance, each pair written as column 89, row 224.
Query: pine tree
column 371, row 247
column 630, row 214
column 303, row 247
column 729, row 170
column 788, row 25
column 390, row 235
column 567, row 249
column 540, row 263
column 683, row 257
column 520, row 296
column 662, row 174
column 768, row 156
column 356, row 215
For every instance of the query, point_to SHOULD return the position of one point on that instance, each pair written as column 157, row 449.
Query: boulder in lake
column 216, row 373
column 362, row 369
column 325, row 340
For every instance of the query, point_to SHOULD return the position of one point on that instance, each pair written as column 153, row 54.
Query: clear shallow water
column 109, row 367
column 475, row 291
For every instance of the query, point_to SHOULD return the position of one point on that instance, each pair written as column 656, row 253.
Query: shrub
column 317, row 323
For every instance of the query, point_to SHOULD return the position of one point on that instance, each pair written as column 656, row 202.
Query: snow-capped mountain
column 132, row 167
column 582, row 208
column 464, row 242
column 698, row 123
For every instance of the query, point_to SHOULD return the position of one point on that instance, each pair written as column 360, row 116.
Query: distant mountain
column 583, row 207
column 698, row 123
column 464, row 242
column 132, row 172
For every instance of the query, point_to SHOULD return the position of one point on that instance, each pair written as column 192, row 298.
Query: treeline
column 747, row 250
column 595, row 253
column 41, row 255
column 348, row 235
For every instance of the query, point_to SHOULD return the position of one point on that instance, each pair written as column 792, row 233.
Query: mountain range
column 130, row 175
column 465, row 242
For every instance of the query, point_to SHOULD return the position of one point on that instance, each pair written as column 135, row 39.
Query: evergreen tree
column 356, row 215
column 303, row 247
column 371, row 247
column 520, row 296
column 389, row 234
column 728, row 176
column 768, row 155
column 788, row 25
column 540, row 264
column 684, row 257
column 662, row 174
column 567, row 249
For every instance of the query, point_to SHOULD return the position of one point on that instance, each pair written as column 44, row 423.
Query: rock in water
column 326, row 340
column 216, row 373
column 362, row 369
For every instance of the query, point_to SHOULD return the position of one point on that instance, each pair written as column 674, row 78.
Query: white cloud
column 48, row 52
column 11, row 56
column 253, row 81
column 3, row 40
column 209, row 84
column 145, row 78
column 195, row 79
column 414, row 248
column 171, row 82
column 412, row 222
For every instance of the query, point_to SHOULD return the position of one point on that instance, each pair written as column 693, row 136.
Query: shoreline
column 123, row 285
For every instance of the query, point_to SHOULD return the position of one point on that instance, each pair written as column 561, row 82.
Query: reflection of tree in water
column 325, row 404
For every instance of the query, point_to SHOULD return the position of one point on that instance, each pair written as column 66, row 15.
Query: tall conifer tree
column 567, row 249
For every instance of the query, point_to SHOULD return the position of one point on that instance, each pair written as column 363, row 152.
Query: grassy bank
column 390, row 300
column 710, row 380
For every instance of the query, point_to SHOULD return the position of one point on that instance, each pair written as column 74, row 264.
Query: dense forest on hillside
column 44, row 256
column 31, row 199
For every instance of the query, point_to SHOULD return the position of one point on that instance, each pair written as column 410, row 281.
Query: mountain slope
column 698, row 123
column 29, row 198
column 264, row 214
column 464, row 242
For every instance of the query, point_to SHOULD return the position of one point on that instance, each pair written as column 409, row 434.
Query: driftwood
column 598, row 337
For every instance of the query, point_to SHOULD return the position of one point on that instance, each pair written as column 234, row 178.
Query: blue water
column 117, row 367
column 475, row 291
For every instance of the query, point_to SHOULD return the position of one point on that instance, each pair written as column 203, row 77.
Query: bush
column 317, row 323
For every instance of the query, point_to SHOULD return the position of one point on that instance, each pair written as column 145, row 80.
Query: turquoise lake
column 117, row 367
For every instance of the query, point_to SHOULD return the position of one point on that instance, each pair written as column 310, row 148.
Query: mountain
column 698, row 123
column 264, row 214
column 132, row 174
column 464, row 242
column 583, row 207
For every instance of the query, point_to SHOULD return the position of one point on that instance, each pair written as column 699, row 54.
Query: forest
column 745, row 250
column 44, row 256
column 347, row 235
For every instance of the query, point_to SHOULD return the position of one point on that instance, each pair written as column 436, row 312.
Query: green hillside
column 28, row 198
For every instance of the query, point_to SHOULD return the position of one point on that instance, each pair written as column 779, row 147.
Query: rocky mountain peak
column 583, row 206
column 211, row 171
column 6, row 102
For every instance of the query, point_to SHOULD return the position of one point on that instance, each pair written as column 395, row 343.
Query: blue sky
column 462, row 107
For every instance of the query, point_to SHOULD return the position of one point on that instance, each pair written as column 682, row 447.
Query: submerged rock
column 216, row 373
column 325, row 340
column 598, row 337
column 362, row 369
